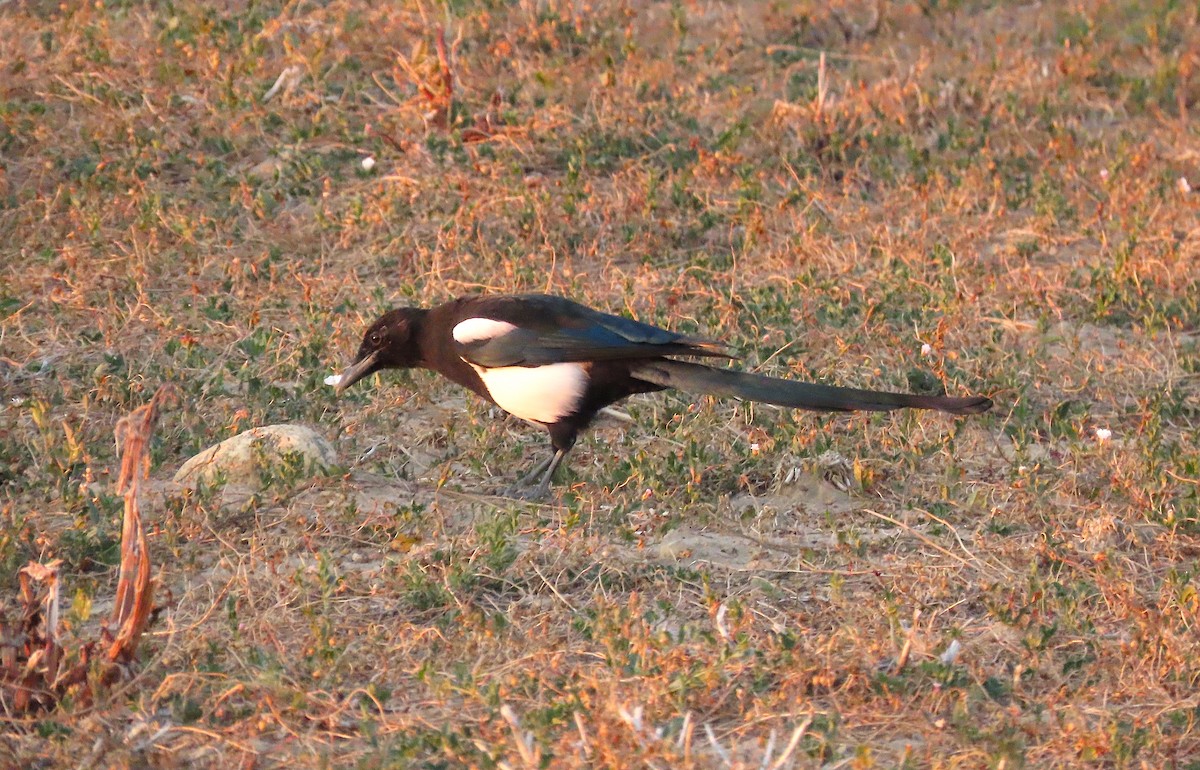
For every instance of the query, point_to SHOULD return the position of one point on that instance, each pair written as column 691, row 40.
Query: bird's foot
column 532, row 487
column 532, row 493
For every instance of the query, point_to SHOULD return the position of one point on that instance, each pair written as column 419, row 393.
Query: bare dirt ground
column 983, row 197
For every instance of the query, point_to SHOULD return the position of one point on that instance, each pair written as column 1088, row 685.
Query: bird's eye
column 375, row 338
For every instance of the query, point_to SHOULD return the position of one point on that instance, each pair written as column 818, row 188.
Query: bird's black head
column 389, row 343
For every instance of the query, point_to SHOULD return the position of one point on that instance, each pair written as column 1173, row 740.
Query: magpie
column 556, row 363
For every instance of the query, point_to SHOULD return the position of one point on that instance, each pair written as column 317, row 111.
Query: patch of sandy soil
column 768, row 532
column 776, row 527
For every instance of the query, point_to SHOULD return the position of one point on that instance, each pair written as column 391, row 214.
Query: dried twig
column 822, row 86
column 906, row 649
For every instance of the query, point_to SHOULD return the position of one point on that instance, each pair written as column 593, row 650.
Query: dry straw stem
column 135, row 597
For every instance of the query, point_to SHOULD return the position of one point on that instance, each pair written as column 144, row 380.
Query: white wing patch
column 539, row 393
column 476, row 329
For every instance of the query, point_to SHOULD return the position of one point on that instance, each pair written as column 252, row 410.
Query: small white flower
column 1184, row 186
column 951, row 653
column 927, row 350
column 368, row 163
column 1104, row 175
column 754, row 448
column 333, row 380
column 1103, row 434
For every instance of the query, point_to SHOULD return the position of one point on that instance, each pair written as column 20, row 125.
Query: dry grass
column 1001, row 182
column 40, row 668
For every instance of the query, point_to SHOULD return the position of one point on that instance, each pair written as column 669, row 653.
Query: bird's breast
column 543, row 394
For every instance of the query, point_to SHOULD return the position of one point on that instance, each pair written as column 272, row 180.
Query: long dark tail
column 697, row 378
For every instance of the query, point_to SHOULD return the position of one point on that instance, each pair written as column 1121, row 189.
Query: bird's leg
column 536, row 474
column 536, row 484
column 562, row 438
column 543, row 487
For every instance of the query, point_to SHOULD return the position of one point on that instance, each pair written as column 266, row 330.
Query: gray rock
column 280, row 451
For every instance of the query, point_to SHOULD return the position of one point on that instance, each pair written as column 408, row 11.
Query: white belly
column 539, row 393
